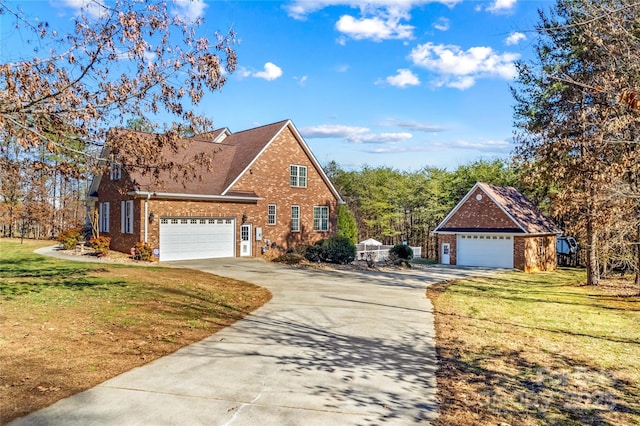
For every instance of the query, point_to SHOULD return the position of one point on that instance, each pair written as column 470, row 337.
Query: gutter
column 146, row 218
column 178, row 196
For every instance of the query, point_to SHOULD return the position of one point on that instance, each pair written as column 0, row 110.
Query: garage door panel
column 485, row 250
column 182, row 239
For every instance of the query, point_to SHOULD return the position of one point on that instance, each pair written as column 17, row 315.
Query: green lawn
column 538, row 349
column 66, row 326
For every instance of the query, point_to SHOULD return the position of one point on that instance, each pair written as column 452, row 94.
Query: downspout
column 146, row 217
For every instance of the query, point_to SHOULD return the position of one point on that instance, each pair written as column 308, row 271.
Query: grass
column 66, row 326
column 537, row 349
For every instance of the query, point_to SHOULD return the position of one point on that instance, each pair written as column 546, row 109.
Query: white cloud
column 515, row 38
column 380, row 138
column 342, row 68
column 500, row 6
column 376, row 28
column 403, row 79
column 353, row 134
column 396, row 149
column 271, row 72
column 459, row 68
column 412, row 125
column 332, row 131
column 94, row 9
column 301, row 80
column 299, row 9
column 442, row 24
column 491, row 146
column 378, row 19
column 242, row 72
column 462, row 83
column 488, row 147
column 191, row 10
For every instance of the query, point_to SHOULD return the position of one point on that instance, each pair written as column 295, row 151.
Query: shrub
column 403, row 251
column 70, row 238
column 315, row 252
column 400, row 254
column 143, row 251
column 339, row 250
column 347, row 226
column 101, row 245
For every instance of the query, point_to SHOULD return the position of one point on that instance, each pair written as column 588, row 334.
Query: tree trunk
column 593, row 270
column 638, row 257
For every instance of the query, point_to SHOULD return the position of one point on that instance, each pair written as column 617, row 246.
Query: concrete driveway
column 330, row 348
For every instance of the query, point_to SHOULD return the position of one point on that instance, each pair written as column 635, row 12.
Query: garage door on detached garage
column 494, row 251
column 196, row 238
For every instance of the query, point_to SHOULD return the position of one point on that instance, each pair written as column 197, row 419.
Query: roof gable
column 517, row 209
column 521, row 209
column 272, row 131
column 232, row 155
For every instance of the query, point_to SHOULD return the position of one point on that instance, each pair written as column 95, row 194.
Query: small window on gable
column 271, row 214
column 115, row 171
column 298, row 176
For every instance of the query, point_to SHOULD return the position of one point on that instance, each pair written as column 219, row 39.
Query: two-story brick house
column 497, row 227
column 265, row 190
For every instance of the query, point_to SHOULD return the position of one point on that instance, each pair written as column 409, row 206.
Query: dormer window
column 298, row 176
column 115, row 171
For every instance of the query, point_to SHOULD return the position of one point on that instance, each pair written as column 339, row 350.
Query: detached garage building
column 497, row 227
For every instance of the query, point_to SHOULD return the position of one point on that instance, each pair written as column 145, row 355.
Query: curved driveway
column 330, row 348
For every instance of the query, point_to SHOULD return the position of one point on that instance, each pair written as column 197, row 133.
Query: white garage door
column 196, row 238
column 485, row 250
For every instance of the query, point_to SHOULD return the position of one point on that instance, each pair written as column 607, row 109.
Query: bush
column 347, row 226
column 316, row 252
column 339, row 250
column 143, row 251
column 400, row 254
column 70, row 238
column 101, row 245
column 403, row 251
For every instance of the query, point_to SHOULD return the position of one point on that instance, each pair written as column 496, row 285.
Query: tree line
column 396, row 206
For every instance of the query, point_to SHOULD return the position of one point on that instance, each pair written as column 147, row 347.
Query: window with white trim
column 295, row 218
column 271, row 214
column 103, row 210
column 126, row 217
column 298, row 176
column 320, row 218
column 115, row 172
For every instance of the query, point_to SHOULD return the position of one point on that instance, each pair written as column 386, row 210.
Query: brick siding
column 268, row 177
column 482, row 213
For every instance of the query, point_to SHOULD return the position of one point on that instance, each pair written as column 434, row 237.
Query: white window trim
column 295, row 221
column 296, row 178
column 323, row 222
column 273, row 215
column 126, row 217
column 115, row 172
column 104, row 217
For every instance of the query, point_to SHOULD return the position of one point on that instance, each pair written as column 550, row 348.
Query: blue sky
column 404, row 84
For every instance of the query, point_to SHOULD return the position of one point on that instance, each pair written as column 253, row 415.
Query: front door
column 245, row 240
column 445, row 258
